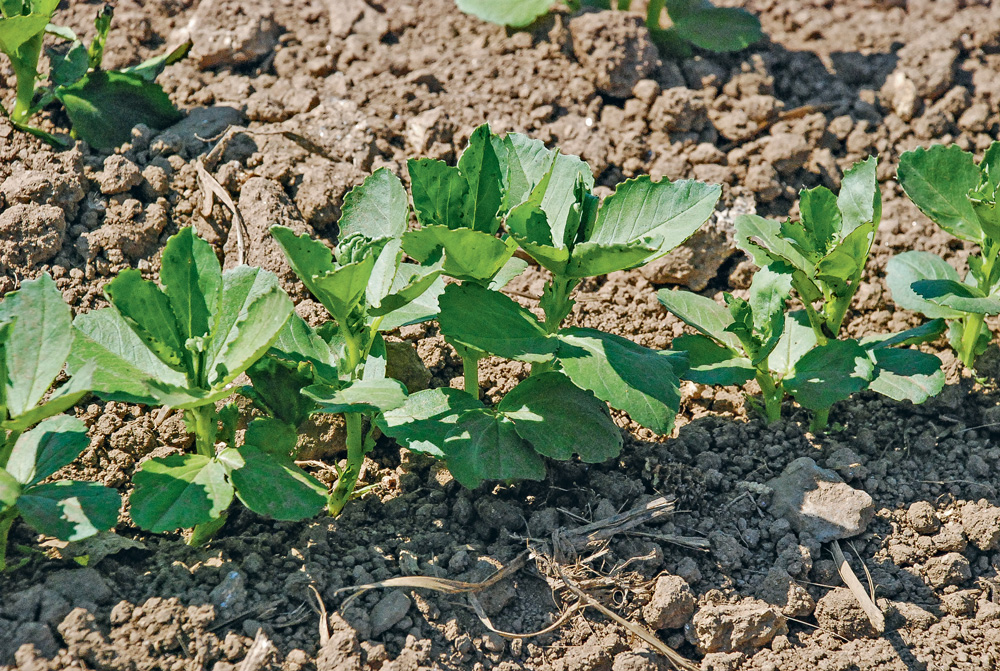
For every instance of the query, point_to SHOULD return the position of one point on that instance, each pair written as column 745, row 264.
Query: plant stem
column 344, row 488
column 819, row 421
column 773, row 394
column 470, row 371
column 653, row 13
column 556, row 302
column 203, row 418
column 6, row 521
column 202, row 533
column 972, row 327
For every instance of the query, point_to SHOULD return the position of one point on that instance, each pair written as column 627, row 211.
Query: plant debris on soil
column 289, row 105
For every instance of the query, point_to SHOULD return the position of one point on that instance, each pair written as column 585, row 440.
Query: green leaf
column 39, row 453
column 513, row 268
column 277, row 386
column 796, row 339
column 309, row 258
column 525, row 161
column 423, row 422
column 299, row 342
column 192, row 279
column 701, row 313
column 104, row 106
column 938, row 180
column 151, row 68
column 553, row 259
column 273, row 486
column 821, row 217
column 560, row 195
column 440, row 193
column 763, row 239
column 668, row 211
column 711, row 363
column 638, row 380
column 489, row 321
column 37, row 343
column 253, row 311
column 847, row 260
column 376, row 209
column 341, row 290
column 907, row 374
column 148, row 313
column 590, row 259
column 422, row 308
column 272, row 436
column 926, row 332
column 481, row 168
column 10, row 489
column 903, row 270
column 70, row 510
column 484, row 446
column 377, row 395
column 559, row 419
column 515, row 13
column 384, row 271
column 468, row 254
column 17, row 30
column 719, row 29
column 860, row 200
column 408, row 284
column 69, row 67
column 829, row 373
column 957, row 296
column 61, row 400
column 179, row 492
column 769, row 292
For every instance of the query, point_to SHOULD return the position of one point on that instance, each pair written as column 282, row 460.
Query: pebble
column 671, row 605
column 391, row 609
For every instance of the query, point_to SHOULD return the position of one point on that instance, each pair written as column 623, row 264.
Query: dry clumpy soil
column 371, row 83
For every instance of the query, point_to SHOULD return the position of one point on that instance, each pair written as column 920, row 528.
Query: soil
column 323, row 93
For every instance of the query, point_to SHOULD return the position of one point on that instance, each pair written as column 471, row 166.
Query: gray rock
column 229, row 33
column 922, row 517
column 387, row 612
column 901, row 614
column 671, row 605
column 949, row 569
column 29, row 633
column 731, row 627
column 815, row 500
column 190, row 135
column 780, row 590
column 80, row 585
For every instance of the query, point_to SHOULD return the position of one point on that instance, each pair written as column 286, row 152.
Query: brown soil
column 370, row 84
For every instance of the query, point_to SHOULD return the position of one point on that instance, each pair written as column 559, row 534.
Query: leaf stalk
column 355, row 458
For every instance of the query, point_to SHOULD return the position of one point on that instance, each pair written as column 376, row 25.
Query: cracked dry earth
column 370, row 84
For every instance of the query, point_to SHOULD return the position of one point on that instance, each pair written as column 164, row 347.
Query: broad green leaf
column 273, row 486
column 484, row 446
column 309, row 258
column 529, row 222
column 719, row 29
column 638, row 380
column 820, row 217
column 903, row 270
column 341, row 290
column 179, row 492
column 559, row 419
column 10, row 489
column 254, row 309
column 272, row 436
column 860, row 200
column 468, row 254
column 551, row 258
column 377, row 395
column 384, row 272
column 151, row 68
column 52, row 444
column 590, row 259
column 426, row 418
column 192, row 279
column 515, row 13
column 440, row 193
column 762, row 239
column 124, row 365
column 513, row 268
column 847, row 260
column 481, row 168
column 957, row 296
column 17, row 30
column 561, row 197
column 61, row 400
column 183, row 397
column 377, row 361
column 990, row 166
column 69, row 67
column 409, row 283
column 711, row 363
column 926, row 332
column 525, row 162
column 37, row 344
column 103, row 107
column 938, row 181
column 376, row 209
column 422, row 308
column 796, row 339
column 701, row 313
column 277, row 387
column 829, row 373
column 299, row 342
column 769, row 292
column 70, row 510
column 147, row 311
column 907, row 374
column 640, row 208
column 489, row 321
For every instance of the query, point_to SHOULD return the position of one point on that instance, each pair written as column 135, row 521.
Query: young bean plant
column 367, row 288
column 182, row 345
column 960, row 197
column 103, row 105
column 35, row 339
column 543, row 200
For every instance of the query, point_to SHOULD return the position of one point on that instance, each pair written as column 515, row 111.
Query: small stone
column 730, row 627
column 38, row 635
column 119, row 175
column 922, row 517
column 635, row 660
column 80, row 585
column 404, row 364
column 229, row 33
column 499, row 514
column 762, row 179
column 687, row 569
column 787, row 152
column 839, row 611
column 949, row 569
column 962, row 602
column 900, row 93
column 816, row 501
column 30, row 234
column 387, row 612
column 779, row 589
column 981, row 523
column 494, row 642
column 671, row 605
column 901, row 614
column 848, row 463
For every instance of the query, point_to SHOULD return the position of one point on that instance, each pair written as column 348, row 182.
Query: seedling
column 544, row 200
column 182, row 345
column 103, row 105
column 960, row 197
column 694, row 22
column 367, row 289
column 35, row 339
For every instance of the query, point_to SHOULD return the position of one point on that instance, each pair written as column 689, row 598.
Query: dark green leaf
column 489, row 321
column 720, row 29
column 481, row 168
column 272, row 436
column 341, row 290
column 468, row 254
column 423, row 422
column 147, row 311
column 590, row 259
column 408, row 284
column 907, row 374
column 701, row 313
column 359, row 396
column 69, row 510
column 151, row 68
column 638, row 380
column 376, row 209
column 68, row 67
column 484, row 446
column 273, row 486
column 938, row 180
column 763, row 239
column 821, row 217
column 179, row 491
column 829, row 373
column 192, row 279
column 39, row 453
column 104, row 106
column 711, row 363
column 926, row 332
column 957, row 296
column 440, row 193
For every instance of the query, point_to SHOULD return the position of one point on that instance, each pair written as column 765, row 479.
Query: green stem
column 819, row 421
column 653, row 13
column 773, row 394
column 816, row 321
column 205, row 423
column 557, row 303
column 470, row 372
column 971, row 328
column 6, row 521
column 202, row 533
column 344, row 488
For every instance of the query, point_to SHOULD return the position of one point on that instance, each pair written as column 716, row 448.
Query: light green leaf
column 423, row 422
column 489, row 321
column 907, row 374
column 590, row 259
column 408, row 284
column 272, row 436
column 179, row 491
column 151, row 68
column 192, row 279
column 957, row 296
column 309, row 258
column 70, row 510
column 17, row 30
column 10, row 489
column 796, row 339
column 763, row 240
column 484, row 446
column 847, row 259
column 829, row 373
column 860, row 200
column 640, row 381
column 376, row 209
column 938, row 180
column 39, row 453
column 821, row 217
column 422, row 308
column 468, row 254
column 481, row 168
column 701, row 313
column 769, row 292
column 341, row 290
column 61, row 400
column 515, row 13
column 384, row 272
column 561, row 197
column 273, row 486
column 711, row 363
column 513, row 268
column 903, row 270
column 525, row 162
column 377, row 395
column 147, row 311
